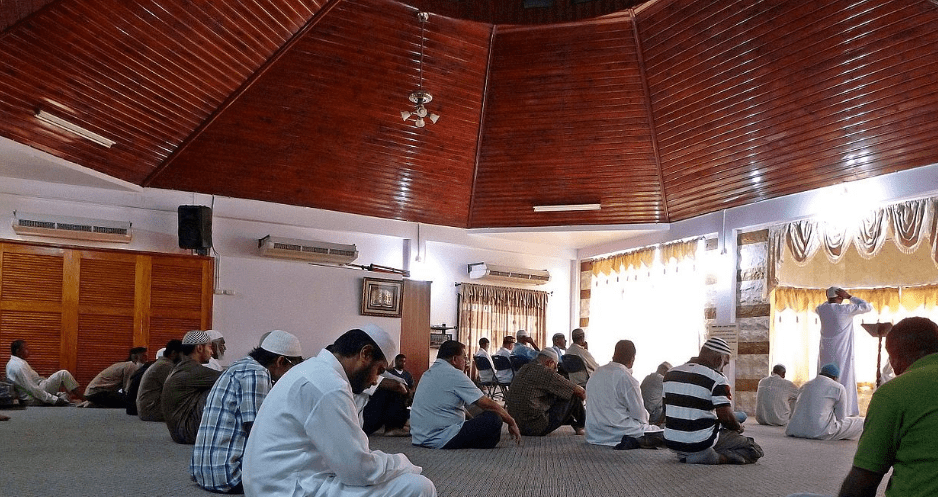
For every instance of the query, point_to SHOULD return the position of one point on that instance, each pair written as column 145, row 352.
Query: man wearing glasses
column 438, row 418
column 231, row 407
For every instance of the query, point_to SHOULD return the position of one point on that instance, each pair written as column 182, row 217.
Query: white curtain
column 659, row 306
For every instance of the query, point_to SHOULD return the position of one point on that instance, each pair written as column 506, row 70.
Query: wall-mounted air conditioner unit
column 76, row 228
column 484, row 270
column 307, row 250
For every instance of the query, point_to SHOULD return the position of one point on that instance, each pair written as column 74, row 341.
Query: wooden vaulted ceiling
column 659, row 111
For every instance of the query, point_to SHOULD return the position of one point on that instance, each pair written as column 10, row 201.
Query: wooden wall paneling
column 106, row 298
column 208, row 291
column 415, row 326
column 69, row 348
column 31, row 303
column 142, row 276
column 178, row 295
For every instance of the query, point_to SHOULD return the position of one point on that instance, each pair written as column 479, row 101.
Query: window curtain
column 796, row 330
column 494, row 311
column 907, row 224
column 655, row 297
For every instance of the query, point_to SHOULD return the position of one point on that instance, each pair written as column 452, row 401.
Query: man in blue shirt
column 437, row 417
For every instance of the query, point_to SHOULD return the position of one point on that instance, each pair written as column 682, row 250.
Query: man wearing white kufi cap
column 218, row 350
column 231, row 408
column 307, row 440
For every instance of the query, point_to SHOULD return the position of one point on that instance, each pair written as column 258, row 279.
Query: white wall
column 316, row 303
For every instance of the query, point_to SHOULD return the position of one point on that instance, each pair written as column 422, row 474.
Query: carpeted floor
column 96, row 452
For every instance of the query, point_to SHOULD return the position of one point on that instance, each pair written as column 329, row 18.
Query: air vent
column 483, row 270
column 307, row 250
column 75, row 228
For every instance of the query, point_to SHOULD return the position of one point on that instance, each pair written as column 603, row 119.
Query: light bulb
column 419, row 122
column 405, row 115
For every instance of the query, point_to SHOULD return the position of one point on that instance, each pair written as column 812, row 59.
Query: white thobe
column 837, row 343
column 306, row 441
column 614, row 406
column 775, row 398
column 820, row 412
column 505, row 375
column 30, row 386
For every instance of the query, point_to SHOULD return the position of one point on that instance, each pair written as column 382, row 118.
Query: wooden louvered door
column 31, row 304
column 82, row 309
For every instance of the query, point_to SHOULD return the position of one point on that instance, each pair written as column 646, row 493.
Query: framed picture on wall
column 382, row 297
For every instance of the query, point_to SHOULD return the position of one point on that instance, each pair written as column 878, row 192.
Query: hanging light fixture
column 420, row 97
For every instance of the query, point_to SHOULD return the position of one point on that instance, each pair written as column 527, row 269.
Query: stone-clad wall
column 752, row 316
column 586, row 277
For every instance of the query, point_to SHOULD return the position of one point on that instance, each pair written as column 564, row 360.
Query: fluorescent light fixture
column 58, row 122
column 566, row 208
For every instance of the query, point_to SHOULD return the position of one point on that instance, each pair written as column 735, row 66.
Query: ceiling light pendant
column 420, row 97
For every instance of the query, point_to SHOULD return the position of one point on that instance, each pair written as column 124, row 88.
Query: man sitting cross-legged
column 187, row 387
column 615, row 413
column 697, row 404
column 109, row 387
column 775, row 398
column 307, row 439
column 231, row 408
column 438, row 418
column 541, row 400
column 150, row 393
column 821, row 410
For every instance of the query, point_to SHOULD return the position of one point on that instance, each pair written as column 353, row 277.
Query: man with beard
column 306, row 438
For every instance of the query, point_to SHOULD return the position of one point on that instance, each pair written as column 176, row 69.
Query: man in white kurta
column 579, row 348
column 306, row 439
column 615, row 407
column 33, row 389
column 837, row 338
column 820, row 412
column 775, row 398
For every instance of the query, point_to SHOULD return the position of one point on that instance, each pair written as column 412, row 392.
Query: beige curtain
column 494, row 311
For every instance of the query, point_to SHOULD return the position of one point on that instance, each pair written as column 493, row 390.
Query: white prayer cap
column 381, row 337
column 521, row 333
column 159, row 353
column 214, row 334
column 832, row 291
column 283, row 343
column 550, row 353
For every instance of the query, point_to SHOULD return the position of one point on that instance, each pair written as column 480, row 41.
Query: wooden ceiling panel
column 323, row 122
column 566, row 122
column 142, row 73
column 660, row 111
column 746, row 102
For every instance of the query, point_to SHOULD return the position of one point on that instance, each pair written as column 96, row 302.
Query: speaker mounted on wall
column 195, row 228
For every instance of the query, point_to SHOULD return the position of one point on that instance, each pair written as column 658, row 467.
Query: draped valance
column 646, row 256
column 806, row 299
column 498, row 295
column 907, row 224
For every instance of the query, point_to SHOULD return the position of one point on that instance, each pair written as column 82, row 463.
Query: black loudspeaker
column 195, row 227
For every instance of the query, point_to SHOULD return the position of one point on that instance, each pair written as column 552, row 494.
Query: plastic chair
column 575, row 368
column 502, row 364
column 517, row 361
column 488, row 386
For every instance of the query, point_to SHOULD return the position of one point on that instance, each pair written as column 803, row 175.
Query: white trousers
column 58, row 380
column 406, row 485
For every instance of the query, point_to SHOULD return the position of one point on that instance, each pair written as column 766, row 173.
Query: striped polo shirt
column 692, row 392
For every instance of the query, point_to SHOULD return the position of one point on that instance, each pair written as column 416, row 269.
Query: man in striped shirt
column 697, row 404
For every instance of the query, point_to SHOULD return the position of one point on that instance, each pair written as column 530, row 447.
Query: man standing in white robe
column 820, row 412
column 307, row 440
column 837, row 338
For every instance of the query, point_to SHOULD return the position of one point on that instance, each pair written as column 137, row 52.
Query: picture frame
column 382, row 297
column 437, row 339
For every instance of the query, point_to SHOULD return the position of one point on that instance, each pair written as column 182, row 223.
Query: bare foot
column 4, row 418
